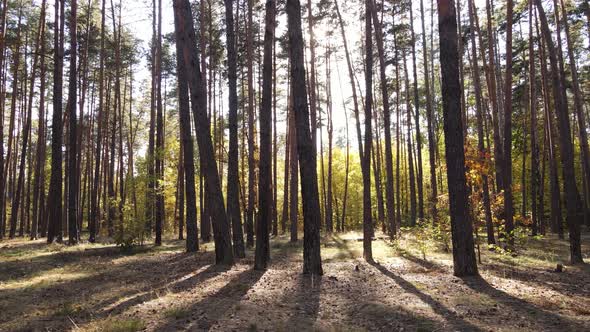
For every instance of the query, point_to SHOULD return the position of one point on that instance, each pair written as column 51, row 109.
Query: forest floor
column 100, row 288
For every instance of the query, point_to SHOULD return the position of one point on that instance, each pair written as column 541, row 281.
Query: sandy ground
column 100, row 288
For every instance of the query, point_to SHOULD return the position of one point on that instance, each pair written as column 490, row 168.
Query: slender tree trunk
column 579, row 108
column 251, row 149
column 536, row 192
column 573, row 202
column 285, row 209
column 2, row 105
column 14, row 100
column 312, row 76
column 73, row 231
column 409, row 145
column 366, row 161
column 429, row 122
column 294, row 173
column 492, row 91
column 54, row 231
column 480, row 131
column 188, row 158
column 26, row 132
column 151, row 169
column 352, row 84
column 262, row 254
column 185, row 34
column 159, row 132
column 330, row 129
column 389, row 194
column 419, row 179
column 38, row 184
column 556, row 215
column 507, row 169
column 94, row 208
column 233, row 194
column 312, row 263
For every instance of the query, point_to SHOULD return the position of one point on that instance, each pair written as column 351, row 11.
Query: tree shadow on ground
column 426, row 264
column 374, row 315
column 204, row 314
column 27, row 267
column 344, row 249
column 558, row 282
column 107, row 289
column 546, row 319
column 451, row 317
column 306, row 300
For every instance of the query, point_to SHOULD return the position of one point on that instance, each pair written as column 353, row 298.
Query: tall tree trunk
column 412, row 175
column 2, row 105
column 159, row 132
column 419, row 179
column 275, row 215
column 205, row 215
column 556, row 215
column 480, row 132
column 579, row 108
column 389, row 199
column 11, row 135
column 573, row 203
column 312, row 76
column 54, row 231
column 251, row 148
column 429, row 121
column 188, row 158
column 294, row 172
column 27, row 118
column 492, row 91
column 262, row 254
column 285, row 208
column 507, row 169
column 151, row 169
column 312, row 263
column 185, row 34
column 464, row 262
column 73, row 231
column 366, row 161
column 38, row 184
column 536, row 192
column 94, row 206
column 330, row 130
column 233, row 194
column 352, row 83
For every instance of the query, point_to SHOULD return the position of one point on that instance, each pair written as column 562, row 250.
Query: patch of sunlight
column 178, row 312
column 22, row 250
column 547, row 258
column 114, row 325
column 475, row 301
column 44, row 279
column 155, row 293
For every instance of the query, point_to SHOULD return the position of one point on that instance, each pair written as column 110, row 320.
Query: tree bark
column 464, row 262
column 185, row 34
column 312, row 263
column 366, row 161
column 233, row 194
column 262, row 255
column 188, row 158
column 73, row 184
column 573, row 203
column 54, row 231
column 480, row 131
